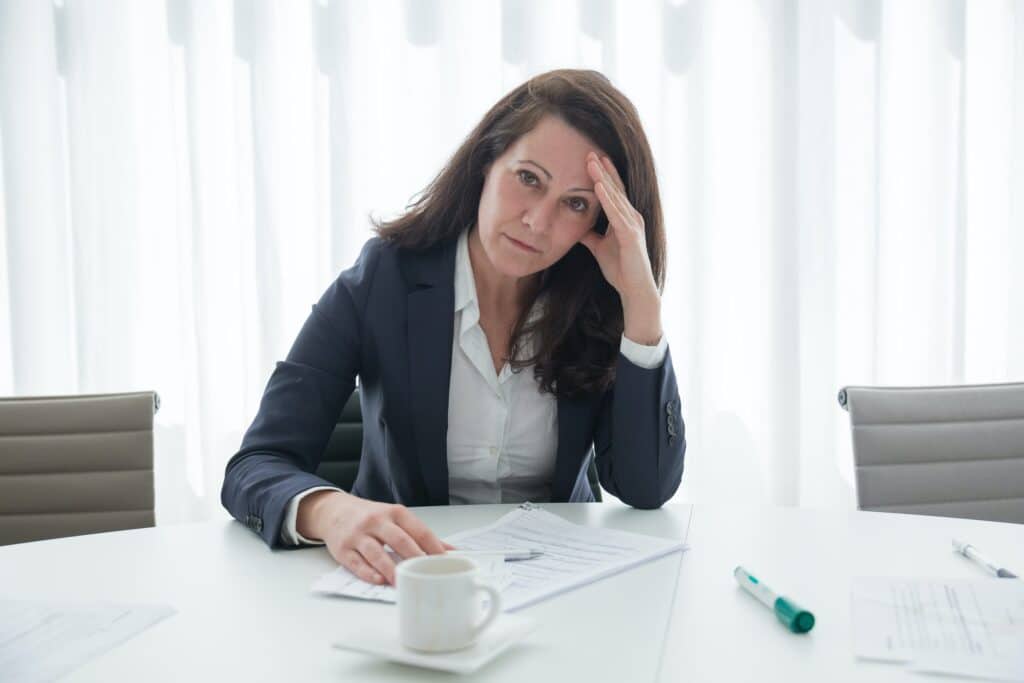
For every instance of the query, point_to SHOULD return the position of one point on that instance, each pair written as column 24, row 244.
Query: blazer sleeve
column 640, row 439
column 300, row 406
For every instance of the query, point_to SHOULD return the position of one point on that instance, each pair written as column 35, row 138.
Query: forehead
column 556, row 146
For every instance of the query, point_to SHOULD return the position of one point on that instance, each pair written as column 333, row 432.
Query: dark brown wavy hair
column 576, row 339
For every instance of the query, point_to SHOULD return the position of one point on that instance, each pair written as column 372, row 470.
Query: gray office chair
column 72, row 465
column 948, row 451
column 340, row 462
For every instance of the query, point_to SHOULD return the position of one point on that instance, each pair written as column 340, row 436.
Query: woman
column 504, row 324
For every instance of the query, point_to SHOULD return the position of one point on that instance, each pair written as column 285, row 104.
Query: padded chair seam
column 930, row 423
column 940, row 462
column 63, row 472
column 74, row 512
column 945, row 502
column 61, row 434
column 949, row 502
column 72, row 398
column 937, row 387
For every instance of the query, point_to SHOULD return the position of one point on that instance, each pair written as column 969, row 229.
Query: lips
column 522, row 245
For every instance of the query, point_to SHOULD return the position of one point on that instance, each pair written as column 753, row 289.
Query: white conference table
column 246, row 613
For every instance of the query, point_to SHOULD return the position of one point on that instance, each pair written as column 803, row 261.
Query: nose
column 539, row 217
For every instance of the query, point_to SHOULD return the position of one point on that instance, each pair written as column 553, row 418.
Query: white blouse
column 502, row 431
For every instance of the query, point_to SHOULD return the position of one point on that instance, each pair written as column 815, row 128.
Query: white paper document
column 41, row 641
column 341, row 581
column 968, row 627
column 574, row 555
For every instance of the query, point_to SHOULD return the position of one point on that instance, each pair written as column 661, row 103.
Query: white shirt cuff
column 648, row 357
column 289, row 534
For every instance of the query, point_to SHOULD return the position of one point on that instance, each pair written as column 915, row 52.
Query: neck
column 495, row 291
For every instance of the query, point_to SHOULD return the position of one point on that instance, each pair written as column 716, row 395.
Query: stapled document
column 573, row 555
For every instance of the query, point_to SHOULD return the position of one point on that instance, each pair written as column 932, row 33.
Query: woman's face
column 538, row 199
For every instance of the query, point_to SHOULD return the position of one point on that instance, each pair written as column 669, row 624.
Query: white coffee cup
column 439, row 603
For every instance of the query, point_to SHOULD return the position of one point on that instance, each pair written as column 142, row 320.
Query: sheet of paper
column 343, row 582
column 574, row 555
column 969, row 627
column 41, row 641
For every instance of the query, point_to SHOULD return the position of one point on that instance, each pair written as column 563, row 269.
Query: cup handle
column 494, row 609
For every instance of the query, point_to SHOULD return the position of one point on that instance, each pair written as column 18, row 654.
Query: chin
column 516, row 267
column 512, row 262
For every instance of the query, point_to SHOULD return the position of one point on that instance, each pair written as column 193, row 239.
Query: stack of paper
column 573, row 555
column 968, row 627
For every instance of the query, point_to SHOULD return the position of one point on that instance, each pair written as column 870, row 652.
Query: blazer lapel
column 431, row 317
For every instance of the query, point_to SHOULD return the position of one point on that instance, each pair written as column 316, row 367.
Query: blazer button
column 258, row 525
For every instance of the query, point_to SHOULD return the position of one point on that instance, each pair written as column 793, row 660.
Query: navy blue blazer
column 389, row 320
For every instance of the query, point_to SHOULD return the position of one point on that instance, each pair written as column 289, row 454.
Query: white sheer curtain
column 843, row 184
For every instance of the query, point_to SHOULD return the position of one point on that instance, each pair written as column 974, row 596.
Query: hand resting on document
column 356, row 530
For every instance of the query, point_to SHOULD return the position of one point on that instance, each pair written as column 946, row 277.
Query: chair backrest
column 949, row 451
column 340, row 462
column 72, row 465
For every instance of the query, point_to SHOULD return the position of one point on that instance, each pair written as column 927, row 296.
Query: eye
column 525, row 177
column 578, row 205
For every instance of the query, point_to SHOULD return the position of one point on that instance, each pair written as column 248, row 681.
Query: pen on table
column 971, row 553
column 511, row 554
column 796, row 618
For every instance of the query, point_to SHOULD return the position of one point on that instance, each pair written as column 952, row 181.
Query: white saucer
column 380, row 638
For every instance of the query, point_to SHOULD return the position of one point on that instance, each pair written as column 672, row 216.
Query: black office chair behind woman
column 341, row 457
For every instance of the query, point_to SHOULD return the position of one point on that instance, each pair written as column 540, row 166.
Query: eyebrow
column 571, row 189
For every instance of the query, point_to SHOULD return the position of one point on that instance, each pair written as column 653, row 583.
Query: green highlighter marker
column 795, row 617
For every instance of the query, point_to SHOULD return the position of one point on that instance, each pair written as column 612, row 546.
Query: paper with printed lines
column 573, row 555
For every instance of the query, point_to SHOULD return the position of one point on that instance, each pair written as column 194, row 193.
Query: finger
column 354, row 562
column 401, row 542
column 419, row 531
column 623, row 216
column 620, row 198
column 617, row 197
column 605, row 170
column 599, row 173
column 372, row 551
column 448, row 546
column 611, row 207
column 613, row 172
column 617, row 189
